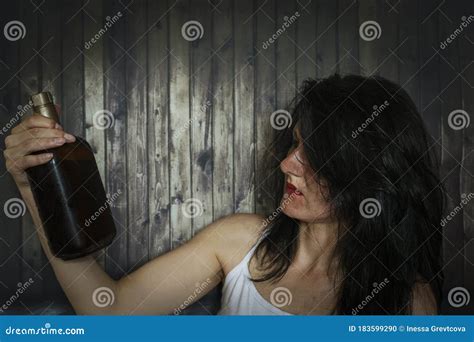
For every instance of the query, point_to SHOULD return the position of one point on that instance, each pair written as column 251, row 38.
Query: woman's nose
column 291, row 165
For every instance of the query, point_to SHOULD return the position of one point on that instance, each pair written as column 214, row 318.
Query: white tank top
column 240, row 296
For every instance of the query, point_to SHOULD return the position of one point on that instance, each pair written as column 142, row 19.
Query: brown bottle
column 69, row 194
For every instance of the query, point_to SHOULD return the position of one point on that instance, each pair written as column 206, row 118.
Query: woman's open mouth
column 291, row 190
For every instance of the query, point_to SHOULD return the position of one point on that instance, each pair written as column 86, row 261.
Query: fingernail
column 69, row 137
column 58, row 126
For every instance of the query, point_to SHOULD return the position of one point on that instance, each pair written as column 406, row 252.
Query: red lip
column 290, row 188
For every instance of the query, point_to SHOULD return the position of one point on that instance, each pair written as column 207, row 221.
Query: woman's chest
column 298, row 294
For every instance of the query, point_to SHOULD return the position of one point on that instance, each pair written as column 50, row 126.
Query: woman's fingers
column 19, row 165
column 33, row 121
column 32, row 145
column 35, row 133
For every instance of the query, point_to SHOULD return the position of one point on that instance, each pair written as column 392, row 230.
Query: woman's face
column 306, row 203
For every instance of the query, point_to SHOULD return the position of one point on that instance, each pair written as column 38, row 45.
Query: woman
column 356, row 230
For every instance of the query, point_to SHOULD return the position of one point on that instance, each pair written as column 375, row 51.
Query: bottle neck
column 48, row 110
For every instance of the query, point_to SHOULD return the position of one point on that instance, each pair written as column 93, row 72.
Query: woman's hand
column 34, row 133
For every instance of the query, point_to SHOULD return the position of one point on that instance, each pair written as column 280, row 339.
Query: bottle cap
column 42, row 98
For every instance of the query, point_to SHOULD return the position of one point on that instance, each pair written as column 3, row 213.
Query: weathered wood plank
column 180, row 175
column 137, row 173
column 368, row 49
column 11, row 234
column 244, row 140
column 32, row 254
column 466, row 53
column 451, row 152
column 222, row 109
column 201, row 116
column 348, row 37
column 326, row 35
column 94, row 88
column 265, row 101
column 158, row 129
column 116, row 169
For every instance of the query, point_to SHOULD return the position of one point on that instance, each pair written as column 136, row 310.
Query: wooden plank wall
column 191, row 118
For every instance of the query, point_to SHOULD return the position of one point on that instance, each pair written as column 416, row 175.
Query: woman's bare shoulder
column 237, row 234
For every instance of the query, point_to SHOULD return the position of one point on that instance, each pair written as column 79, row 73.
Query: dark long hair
column 366, row 139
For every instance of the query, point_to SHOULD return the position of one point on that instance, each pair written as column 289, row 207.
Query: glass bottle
column 70, row 195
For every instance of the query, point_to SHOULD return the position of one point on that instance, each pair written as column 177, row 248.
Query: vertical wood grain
column 94, row 89
column 116, row 148
column 11, row 234
column 137, row 171
column 451, row 152
column 180, row 175
column 265, row 100
column 326, row 46
column 368, row 49
column 32, row 256
column 201, row 116
column 222, row 109
column 348, row 37
column 244, row 144
column 158, row 128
